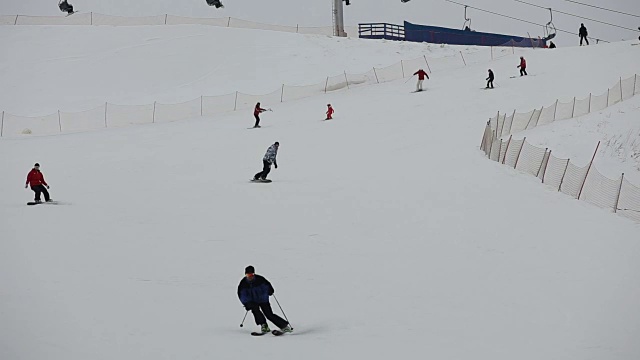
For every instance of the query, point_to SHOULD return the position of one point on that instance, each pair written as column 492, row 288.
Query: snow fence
column 114, row 115
column 580, row 182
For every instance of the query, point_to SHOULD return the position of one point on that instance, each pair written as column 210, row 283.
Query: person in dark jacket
column 552, row 45
column 268, row 159
column 583, row 34
column 490, row 79
column 38, row 184
column 65, row 7
column 254, row 291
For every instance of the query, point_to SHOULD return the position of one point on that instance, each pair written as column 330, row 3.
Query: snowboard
column 260, row 181
column 486, row 88
column 43, row 202
column 70, row 14
column 417, row 91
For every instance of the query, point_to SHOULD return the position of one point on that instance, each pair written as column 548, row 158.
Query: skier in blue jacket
column 254, row 291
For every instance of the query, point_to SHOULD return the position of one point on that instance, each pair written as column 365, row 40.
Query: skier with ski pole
column 421, row 75
column 254, row 291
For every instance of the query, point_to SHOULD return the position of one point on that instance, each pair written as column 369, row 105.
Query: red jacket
column 329, row 111
column 258, row 110
column 523, row 63
column 36, row 178
column 421, row 74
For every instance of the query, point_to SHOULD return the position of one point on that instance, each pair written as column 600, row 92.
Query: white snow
column 385, row 232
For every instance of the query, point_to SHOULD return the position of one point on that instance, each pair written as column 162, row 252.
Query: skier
column 583, row 34
column 552, row 45
column 268, row 159
column 523, row 66
column 421, row 74
column 329, row 112
column 215, row 3
column 65, row 6
column 38, row 185
column 256, row 114
column 490, row 79
column 254, row 291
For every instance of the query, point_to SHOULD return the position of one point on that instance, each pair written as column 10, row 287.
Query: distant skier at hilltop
column 65, row 7
column 583, row 34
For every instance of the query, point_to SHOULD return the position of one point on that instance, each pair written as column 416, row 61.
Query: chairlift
column 215, row 3
column 550, row 28
column 467, row 21
column 64, row 6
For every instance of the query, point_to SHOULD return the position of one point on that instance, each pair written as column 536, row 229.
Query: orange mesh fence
column 629, row 203
column 531, row 159
column 599, row 190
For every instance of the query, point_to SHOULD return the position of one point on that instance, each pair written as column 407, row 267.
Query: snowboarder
column 268, row 159
column 254, row 291
column 421, row 74
column 329, row 112
column 523, row 66
column 215, row 3
column 583, row 34
column 490, row 79
column 552, row 45
column 65, row 7
column 38, row 184
column 256, row 114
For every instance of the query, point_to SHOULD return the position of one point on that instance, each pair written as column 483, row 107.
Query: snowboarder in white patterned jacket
column 268, row 159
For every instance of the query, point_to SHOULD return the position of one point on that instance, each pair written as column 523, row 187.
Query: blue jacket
column 256, row 291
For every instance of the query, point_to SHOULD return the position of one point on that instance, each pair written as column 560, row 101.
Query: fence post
column 425, row 60
column 506, row 150
column 16, row 20
column 608, row 97
column 542, row 162
column 235, row 102
column 563, row 174
column 229, row 21
column 621, row 97
column 555, row 109
column 491, row 52
column 325, row 85
column 513, row 116
column 589, row 109
column 573, row 110
column 282, row 93
column 376, row 74
column 520, row 151
column 345, row 79
column 615, row 207
column 153, row 119
column 588, row 169
column 635, row 79
column 2, row 124
column 484, row 136
column 465, row 63
column 201, row 105
column 59, row 122
column 165, row 18
column 297, row 27
column 499, row 150
column 534, row 112
column 105, row 114
column 91, row 23
column 402, row 67
column 544, row 171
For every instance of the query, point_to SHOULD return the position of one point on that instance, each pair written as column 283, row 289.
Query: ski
column 255, row 333
column 260, row 181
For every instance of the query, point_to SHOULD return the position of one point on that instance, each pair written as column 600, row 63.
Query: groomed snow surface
column 385, row 232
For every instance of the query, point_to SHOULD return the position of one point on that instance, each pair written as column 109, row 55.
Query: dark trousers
column 490, row 82
column 585, row 39
column 268, row 313
column 257, row 120
column 40, row 189
column 523, row 71
column 266, row 168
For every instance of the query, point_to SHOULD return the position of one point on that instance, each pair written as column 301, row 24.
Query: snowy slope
column 385, row 232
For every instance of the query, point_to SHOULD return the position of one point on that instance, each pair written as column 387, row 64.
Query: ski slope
column 385, row 232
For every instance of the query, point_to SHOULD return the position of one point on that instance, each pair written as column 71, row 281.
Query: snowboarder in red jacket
column 38, row 185
column 421, row 74
column 329, row 112
column 256, row 113
column 523, row 66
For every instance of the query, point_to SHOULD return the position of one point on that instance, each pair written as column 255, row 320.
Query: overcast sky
column 429, row 12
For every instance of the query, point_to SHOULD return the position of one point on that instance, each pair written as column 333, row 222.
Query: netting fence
column 114, row 115
column 580, row 182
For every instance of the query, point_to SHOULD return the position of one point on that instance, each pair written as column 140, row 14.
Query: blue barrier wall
column 440, row 35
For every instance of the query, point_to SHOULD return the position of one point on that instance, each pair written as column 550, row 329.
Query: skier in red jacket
column 421, row 74
column 329, row 112
column 256, row 114
column 523, row 66
column 38, row 185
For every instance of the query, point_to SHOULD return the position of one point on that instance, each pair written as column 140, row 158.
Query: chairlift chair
column 550, row 28
column 467, row 20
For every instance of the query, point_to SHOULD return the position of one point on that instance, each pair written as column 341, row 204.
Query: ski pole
column 245, row 316
column 408, row 79
column 285, row 315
